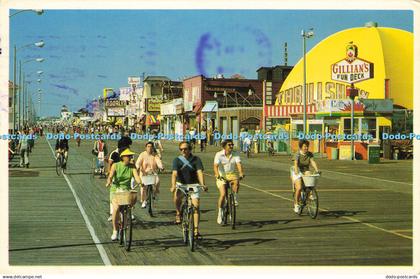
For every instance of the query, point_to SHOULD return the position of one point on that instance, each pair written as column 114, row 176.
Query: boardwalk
column 366, row 216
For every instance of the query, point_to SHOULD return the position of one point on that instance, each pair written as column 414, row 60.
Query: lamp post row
column 21, row 82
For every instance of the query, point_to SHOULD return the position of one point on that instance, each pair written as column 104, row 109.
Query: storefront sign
column 344, row 105
column 314, row 92
column 351, row 69
column 153, row 104
column 133, row 80
column 116, row 111
column 115, row 103
column 340, row 105
column 378, row 105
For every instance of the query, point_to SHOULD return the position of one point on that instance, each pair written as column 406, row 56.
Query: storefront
column 115, row 111
column 209, row 114
column 374, row 62
column 231, row 120
column 171, row 114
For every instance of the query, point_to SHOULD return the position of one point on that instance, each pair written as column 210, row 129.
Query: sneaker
column 144, row 204
column 297, row 208
column 114, row 235
column 220, row 217
column 110, row 218
column 235, row 199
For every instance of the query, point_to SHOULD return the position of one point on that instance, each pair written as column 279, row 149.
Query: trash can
column 334, row 153
column 374, row 152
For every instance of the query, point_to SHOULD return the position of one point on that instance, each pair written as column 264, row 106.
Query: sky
column 88, row 50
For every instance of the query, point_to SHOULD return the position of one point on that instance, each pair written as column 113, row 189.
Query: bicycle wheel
column 63, row 170
column 150, row 199
column 225, row 210
column 128, row 229
column 184, row 223
column 121, row 233
column 312, row 202
column 232, row 212
column 191, row 238
column 58, row 165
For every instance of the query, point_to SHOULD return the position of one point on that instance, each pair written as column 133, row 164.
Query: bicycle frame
column 149, row 184
column 187, row 213
column 229, row 208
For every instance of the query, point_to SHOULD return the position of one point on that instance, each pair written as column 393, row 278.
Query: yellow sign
column 390, row 50
column 107, row 91
column 153, row 105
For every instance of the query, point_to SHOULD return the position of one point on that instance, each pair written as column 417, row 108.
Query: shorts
column 195, row 195
column 229, row 177
column 294, row 176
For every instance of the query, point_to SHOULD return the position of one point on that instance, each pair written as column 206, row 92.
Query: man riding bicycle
column 303, row 159
column 62, row 146
column 187, row 169
column 225, row 163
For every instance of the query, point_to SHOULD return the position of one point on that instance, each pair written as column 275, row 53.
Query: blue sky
column 87, row 50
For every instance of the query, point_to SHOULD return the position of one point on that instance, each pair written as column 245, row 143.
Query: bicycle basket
column 148, row 179
column 125, row 197
column 310, row 180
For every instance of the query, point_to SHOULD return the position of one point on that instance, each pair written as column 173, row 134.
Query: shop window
column 347, row 126
column 369, row 127
column 296, row 129
column 315, row 128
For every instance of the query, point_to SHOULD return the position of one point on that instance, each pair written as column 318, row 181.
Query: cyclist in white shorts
column 225, row 164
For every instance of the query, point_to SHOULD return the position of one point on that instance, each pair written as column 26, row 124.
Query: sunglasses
column 231, row 144
column 182, row 149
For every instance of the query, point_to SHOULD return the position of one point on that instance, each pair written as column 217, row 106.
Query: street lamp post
column 22, row 85
column 38, row 12
column 15, row 49
column 305, row 35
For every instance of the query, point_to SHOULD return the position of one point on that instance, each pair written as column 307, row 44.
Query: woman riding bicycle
column 149, row 163
column 303, row 159
column 120, row 179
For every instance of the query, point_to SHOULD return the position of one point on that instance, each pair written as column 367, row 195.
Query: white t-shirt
column 226, row 164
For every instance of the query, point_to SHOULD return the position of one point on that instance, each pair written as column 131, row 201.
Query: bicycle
column 59, row 163
column 98, row 171
column 229, row 207
column 149, row 182
column 187, row 213
column 126, row 201
column 309, row 195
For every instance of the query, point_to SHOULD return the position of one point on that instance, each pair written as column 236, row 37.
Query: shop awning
column 210, row 107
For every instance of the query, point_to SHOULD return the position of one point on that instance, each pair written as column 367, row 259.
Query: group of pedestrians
column 22, row 144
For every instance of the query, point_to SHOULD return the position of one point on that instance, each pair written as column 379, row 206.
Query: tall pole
column 14, row 90
column 25, row 106
column 352, row 128
column 352, row 121
column 19, row 95
column 304, row 83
